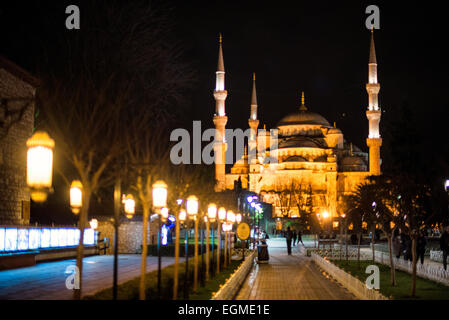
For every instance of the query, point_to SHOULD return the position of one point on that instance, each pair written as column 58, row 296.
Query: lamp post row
column 39, row 180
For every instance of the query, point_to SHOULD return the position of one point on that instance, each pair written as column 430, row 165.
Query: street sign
column 243, row 231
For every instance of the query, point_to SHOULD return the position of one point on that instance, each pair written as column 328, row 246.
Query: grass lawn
column 213, row 285
column 425, row 289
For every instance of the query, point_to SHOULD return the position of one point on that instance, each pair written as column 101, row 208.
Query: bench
column 12, row 260
column 103, row 245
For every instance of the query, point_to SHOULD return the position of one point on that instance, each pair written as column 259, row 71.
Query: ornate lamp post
column 183, row 219
column 192, row 211
column 231, row 222
column 176, row 269
column 211, row 216
column 159, row 204
column 129, row 205
column 76, row 196
column 221, row 219
column 40, row 165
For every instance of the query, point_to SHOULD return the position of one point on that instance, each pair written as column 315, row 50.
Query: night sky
column 320, row 47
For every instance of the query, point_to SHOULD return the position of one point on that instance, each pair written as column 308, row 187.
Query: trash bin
column 262, row 252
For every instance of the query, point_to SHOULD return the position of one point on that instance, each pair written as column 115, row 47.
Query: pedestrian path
column 293, row 277
column 46, row 281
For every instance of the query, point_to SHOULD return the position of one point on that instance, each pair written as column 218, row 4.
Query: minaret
column 220, row 120
column 373, row 113
column 303, row 103
column 253, row 124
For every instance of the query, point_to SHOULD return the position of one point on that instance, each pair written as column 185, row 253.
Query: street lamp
column 211, row 216
column 230, row 219
column 192, row 211
column 176, row 269
column 221, row 219
column 76, row 196
column 129, row 205
column 183, row 219
column 159, row 203
column 40, row 165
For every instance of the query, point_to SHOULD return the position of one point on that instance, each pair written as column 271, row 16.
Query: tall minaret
column 253, row 123
column 373, row 113
column 220, row 120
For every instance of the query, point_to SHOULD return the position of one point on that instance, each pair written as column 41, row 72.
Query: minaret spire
column 253, row 124
column 303, row 104
column 253, row 115
column 220, row 120
column 373, row 113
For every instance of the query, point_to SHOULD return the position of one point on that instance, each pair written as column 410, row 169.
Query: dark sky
column 320, row 47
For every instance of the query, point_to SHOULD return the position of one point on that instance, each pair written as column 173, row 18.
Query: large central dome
column 303, row 117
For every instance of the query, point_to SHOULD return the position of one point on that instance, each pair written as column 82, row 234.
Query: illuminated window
column 34, row 238
column 45, row 238
column 22, row 239
column 11, row 239
column 63, row 237
column 54, row 238
column 2, row 239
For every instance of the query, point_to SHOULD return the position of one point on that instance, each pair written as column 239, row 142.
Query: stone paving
column 46, row 281
column 293, row 277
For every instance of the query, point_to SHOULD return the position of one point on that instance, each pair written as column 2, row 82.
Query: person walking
column 397, row 243
column 289, row 237
column 300, row 238
column 444, row 245
column 407, row 244
column 294, row 237
column 421, row 243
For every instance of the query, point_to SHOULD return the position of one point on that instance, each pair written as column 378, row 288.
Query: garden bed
column 425, row 289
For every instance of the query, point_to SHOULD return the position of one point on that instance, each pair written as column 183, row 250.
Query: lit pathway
column 286, row 277
column 46, row 281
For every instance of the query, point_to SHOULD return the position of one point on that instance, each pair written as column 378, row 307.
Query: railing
column 340, row 254
column 233, row 284
column 427, row 271
column 354, row 285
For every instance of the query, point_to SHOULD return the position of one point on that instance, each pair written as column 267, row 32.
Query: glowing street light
column 325, row 214
column 129, row 205
column 238, row 218
column 164, row 214
column 40, row 165
column 160, row 194
column 192, row 206
column 76, row 196
column 221, row 219
column 192, row 210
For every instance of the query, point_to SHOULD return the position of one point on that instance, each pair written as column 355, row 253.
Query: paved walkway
column 293, row 277
column 46, row 281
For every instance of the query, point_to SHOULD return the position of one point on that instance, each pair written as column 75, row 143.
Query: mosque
column 313, row 156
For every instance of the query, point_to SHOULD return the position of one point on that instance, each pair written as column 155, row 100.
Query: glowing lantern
column 325, row 214
column 238, row 218
column 221, row 214
column 164, row 214
column 40, row 165
column 182, row 215
column 230, row 217
column 212, row 212
column 159, row 194
column 129, row 205
column 192, row 206
column 76, row 196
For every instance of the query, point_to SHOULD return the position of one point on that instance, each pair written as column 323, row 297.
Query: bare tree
column 120, row 66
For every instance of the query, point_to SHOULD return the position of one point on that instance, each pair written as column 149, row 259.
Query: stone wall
column 130, row 235
column 16, row 126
